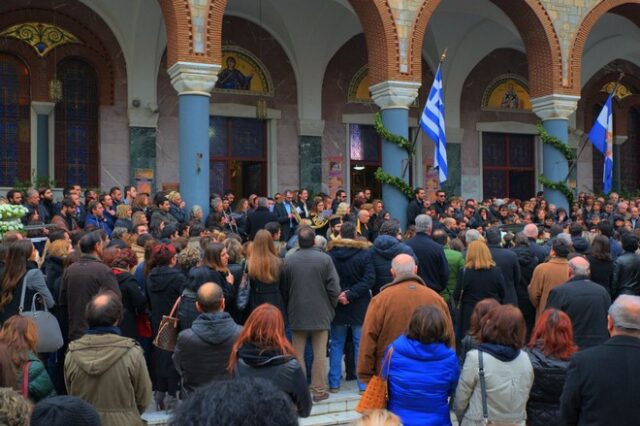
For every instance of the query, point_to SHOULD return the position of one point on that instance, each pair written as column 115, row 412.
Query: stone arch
column 629, row 9
column 182, row 29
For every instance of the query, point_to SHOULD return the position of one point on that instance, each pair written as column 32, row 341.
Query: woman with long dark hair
column 165, row 283
column 20, row 335
column 549, row 350
column 20, row 263
column 472, row 339
column 600, row 262
column 262, row 350
column 264, row 268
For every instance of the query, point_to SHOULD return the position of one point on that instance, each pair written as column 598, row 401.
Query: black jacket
column 543, row 407
column 432, row 263
column 352, row 260
column 626, row 275
column 202, row 351
column 414, row 209
column 287, row 225
column 510, row 267
column 602, row 386
column 256, row 220
column 261, row 293
column 133, row 301
column 384, row 249
column 601, row 272
column 477, row 284
column 53, row 268
column 164, row 286
column 284, row 371
column 197, row 276
column 580, row 244
column 541, row 252
column 528, row 262
column 587, row 304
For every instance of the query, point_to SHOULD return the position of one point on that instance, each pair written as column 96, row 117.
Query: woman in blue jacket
column 422, row 370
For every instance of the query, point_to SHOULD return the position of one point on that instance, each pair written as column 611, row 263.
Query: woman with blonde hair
column 378, row 418
column 264, row 268
column 20, row 334
column 480, row 279
column 139, row 218
column 57, row 252
column 124, row 213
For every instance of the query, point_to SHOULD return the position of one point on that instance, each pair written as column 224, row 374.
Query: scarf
column 104, row 330
column 503, row 353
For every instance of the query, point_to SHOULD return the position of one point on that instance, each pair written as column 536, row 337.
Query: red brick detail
column 93, row 49
column 177, row 18
column 417, row 34
column 628, row 9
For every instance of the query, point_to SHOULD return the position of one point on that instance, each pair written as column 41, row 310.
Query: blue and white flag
column 601, row 136
column 432, row 123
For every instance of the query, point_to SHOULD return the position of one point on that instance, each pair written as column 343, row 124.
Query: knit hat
column 64, row 411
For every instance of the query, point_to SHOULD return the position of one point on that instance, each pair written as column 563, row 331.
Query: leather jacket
column 626, row 275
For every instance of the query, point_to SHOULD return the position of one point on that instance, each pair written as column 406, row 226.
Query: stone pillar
column 43, row 111
column 310, row 154
column 554, row 111
column 194, row 82
column 394, row 98
column 143, row 126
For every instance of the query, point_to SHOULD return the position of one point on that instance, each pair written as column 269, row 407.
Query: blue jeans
column 336, row 351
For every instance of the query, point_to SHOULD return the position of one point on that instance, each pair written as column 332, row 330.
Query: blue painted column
column 554, row 110
column 194, row 82
column 43, row 112
column 394, row 99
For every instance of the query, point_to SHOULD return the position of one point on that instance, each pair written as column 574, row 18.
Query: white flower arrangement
column 9, row 212
column 11, row 225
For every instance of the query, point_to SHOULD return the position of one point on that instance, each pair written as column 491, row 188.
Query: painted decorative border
column 355, row 83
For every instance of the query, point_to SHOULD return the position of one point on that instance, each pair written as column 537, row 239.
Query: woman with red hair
column 262, row 350
column 549, row 350
column 20, row 335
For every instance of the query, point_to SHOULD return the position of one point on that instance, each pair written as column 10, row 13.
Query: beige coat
column 110, row 373
column 546, row 277
column 507, row 383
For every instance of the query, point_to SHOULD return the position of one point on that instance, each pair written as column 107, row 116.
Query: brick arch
column 179, row 27
column 625, row 8
column 100, row 52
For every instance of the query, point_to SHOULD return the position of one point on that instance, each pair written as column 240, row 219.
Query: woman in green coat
column 20, row 335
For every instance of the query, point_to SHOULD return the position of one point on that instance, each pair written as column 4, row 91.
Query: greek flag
column 432, row 123
column 601, row 136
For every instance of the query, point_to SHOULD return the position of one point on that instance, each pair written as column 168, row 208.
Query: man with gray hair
column 257, row 219
column 585, row 302
column 432, row 262
column 390, row 312
column 602, row 385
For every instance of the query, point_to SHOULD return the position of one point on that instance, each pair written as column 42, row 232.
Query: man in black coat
column 602, row 386
column 531, row 231
column 385, row 247
column 432, row 262
column 507, row 260
column 202, row 351
column 285, row 216
column 626, row 268
column 585, row 302
column 415, row 207
column 257, row 219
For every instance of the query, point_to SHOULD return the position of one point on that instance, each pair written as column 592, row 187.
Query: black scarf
column 502, row 352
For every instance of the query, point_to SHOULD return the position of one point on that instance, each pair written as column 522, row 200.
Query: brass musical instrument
column 319, row 221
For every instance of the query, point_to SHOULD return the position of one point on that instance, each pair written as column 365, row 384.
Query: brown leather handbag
column 168, row 331
column 376, row 395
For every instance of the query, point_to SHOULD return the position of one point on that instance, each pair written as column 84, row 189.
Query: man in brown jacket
column 390, row 311
column 108, row 370
column 549, row 275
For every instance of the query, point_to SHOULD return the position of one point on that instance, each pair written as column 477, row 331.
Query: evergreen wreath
column 566, row 153
column 403, row 143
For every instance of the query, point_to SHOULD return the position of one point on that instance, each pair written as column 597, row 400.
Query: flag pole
column 585, row 137
column 443, row 58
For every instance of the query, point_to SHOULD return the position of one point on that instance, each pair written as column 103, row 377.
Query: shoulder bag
column 49, row 334
column 455, row 306
column 25, row 379
column 376, row 395
column 244, row 290
column 483, row 393
column 167, row 336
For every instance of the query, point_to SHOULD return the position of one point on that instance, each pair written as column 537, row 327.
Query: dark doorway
column 508, row 165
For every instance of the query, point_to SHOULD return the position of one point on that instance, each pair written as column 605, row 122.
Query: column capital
column 43, row 108
column 555, row 106
column 192, row 78
column 394, row 94
column 308, row 127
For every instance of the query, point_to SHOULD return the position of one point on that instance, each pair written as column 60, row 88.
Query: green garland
column 566, row 153
column 389, row 179
column 388, row 136
column 403, row 143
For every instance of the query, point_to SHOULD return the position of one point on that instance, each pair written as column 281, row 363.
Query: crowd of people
column 498, row 310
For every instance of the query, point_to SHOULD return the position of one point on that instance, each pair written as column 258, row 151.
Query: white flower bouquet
column 9, row 212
